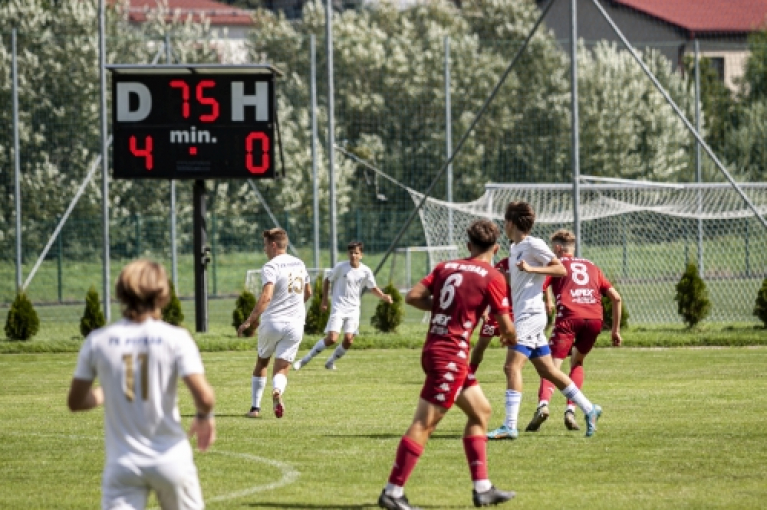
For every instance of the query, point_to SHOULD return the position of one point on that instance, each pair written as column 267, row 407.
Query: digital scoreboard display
column 182, row 122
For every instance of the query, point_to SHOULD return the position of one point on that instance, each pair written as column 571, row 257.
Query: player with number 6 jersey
column 578, row 323
column 456, row 293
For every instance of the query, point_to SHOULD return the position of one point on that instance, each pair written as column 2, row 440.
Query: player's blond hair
column 143, row 289
column 277, row 236
column 564, row 238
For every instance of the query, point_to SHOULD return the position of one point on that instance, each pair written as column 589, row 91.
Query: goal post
column 417, row 262
column 642, row 235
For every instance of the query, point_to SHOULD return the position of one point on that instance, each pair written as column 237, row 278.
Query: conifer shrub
column 172, row 313
column 316, row 319
column 692, row 297
column 760, row 306
column 389, row 316
column 242, row 308
column 607, row 313
column 93, row 317
column 22, row 322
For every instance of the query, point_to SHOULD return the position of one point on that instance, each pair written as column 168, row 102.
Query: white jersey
column 289, row 277
column 138, row 366
column 527, row 288
column 348, row 283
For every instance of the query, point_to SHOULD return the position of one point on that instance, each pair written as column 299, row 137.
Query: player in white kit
column 138, row 361
column 280, row 315
column 530, row 261
column 349, row 279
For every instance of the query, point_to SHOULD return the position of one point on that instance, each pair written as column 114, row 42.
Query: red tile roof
column 705, row 16
column 218, row 13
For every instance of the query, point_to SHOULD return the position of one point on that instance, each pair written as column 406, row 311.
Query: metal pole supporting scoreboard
column 194, row 122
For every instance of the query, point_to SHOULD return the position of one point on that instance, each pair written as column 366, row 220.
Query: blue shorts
column 531, row 353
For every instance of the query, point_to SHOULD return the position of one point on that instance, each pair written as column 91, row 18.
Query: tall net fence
column 395, row 70
column 642, row 236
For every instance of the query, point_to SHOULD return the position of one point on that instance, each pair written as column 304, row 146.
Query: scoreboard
column 193, row 122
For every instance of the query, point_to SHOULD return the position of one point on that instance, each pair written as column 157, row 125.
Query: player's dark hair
column 142, row 288
column 563, row 237
column 354, row 245
column 483, row 234
column 277, row 236
column 521, row 215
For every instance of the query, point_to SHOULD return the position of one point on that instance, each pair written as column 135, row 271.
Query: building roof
column 705, row 16
column 218, row 13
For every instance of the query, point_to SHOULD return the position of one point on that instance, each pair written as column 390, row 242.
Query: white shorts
column 280, row 339
column 175, row 483
column 531, row 330
column 338, row 323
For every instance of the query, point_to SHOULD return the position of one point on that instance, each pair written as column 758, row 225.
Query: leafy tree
column 172, row 313
column 93, row 317
column 692, row 297
column 316, row 319
column 607, row 314
column 388, row 316
column 22, row 322
column 627, row 128
column 760, row 306
column 754, row 82
column 242, row 309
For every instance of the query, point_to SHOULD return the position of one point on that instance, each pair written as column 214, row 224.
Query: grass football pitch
column 682, row 428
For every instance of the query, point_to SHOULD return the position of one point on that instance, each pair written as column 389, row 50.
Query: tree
column 242, row 309
column 692, row 297
column 388, row 316
column 93, row 317
column 760, row 306
column 22, row 322
column 172, row 312
column 316, row 319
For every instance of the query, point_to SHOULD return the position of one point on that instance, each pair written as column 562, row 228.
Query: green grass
column 682, row 428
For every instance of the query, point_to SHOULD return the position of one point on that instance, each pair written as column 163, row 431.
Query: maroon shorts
column 581, row 333
column 446, row 376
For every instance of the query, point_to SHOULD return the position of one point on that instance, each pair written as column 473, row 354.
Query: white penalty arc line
column 289, row 474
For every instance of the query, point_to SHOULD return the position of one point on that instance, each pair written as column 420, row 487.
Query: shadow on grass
column 273, row 504
column 435, row 437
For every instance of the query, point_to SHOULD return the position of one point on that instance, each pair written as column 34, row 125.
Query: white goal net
column 642, row 235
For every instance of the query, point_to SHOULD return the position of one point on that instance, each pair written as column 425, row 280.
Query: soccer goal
column 642, row 235
column 414, row 262
column 253, row 282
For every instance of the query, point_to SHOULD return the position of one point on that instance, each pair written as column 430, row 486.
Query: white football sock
column 257, row 385
column 339, row 352
column 280, row 382
column 394, row 491
column 571, row 392
column 482, row 485
column 513, row 400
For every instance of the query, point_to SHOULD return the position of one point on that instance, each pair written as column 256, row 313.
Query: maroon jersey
column 579, row 294
column 462, row 289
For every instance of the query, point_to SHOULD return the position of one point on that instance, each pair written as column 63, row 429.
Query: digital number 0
column 264, row 166
column 146, row 152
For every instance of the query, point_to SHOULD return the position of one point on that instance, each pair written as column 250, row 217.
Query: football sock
column 473, row 368
column 408, row 453
column 280, row 382
column 257, row 385
column 576, row 374
column 318, row 348
column 545, row 391
column 339, row 352
column 475, row 448
column 570, row 407
column 571, row 392
column 395, row 491
column 513, row 399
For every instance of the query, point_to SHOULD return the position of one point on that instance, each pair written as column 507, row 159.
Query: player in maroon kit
column 456, row 293
column 489, row 327
column 578, row 323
